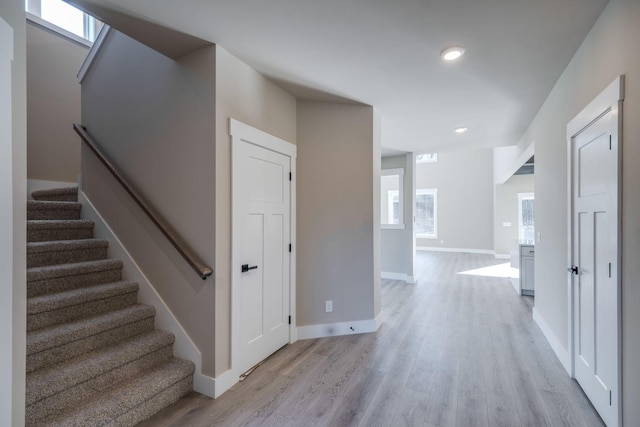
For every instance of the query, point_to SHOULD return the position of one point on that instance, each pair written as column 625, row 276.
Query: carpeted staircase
column 93, row 356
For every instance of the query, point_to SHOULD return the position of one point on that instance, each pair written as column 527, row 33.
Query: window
column 526, row 216
column 391, row 201
column 427, row 213
column 64, row 19
column 427, row 158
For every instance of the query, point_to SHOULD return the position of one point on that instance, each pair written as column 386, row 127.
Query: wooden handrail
column 192, row 259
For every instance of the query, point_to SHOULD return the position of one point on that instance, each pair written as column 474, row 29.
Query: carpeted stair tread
column 67, row 306
column 93, row 356
column 78, row 296
column 65, row 251
column 60, row 277
column 130, row 402
column 49, row 230
column 74, row 269
column 62, row 194
column 58, row 335
column 39, row 209
column 53, row 380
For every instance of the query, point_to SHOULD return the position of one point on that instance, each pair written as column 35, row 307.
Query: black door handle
column 245, row 267
column 573, row 269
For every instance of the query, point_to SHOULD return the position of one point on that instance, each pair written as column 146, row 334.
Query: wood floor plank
column 456, row 349
column 562, row 412
column 529, row 400
column 412, row 409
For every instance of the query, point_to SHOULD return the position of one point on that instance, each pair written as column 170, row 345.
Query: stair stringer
column 183, row 346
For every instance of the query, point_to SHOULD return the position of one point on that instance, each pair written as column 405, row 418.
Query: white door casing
column 7, row 325
column 263, row 220
column 594, row 157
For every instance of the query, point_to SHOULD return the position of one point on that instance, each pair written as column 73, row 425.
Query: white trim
column 608, row 101
column 462, row 250
column 183, row 346
column 279, row 145
column 340, row 328
column 521, row 197
column 434, row 192
column 41, row 184
column 400, row 193
column 502, row 256
column 554, row 342
column 242, row 132
column 608, row 98
column 224, row 382
column 397, row 276
column 36, row 20
column 93, row 53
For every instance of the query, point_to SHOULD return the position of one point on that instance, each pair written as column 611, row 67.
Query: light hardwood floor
column 454, row 350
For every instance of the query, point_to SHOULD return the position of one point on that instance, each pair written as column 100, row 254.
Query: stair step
column 128, row 403
column 51, row 230
column 68, row 306
column 62, row 277
column 57, row 388
column 50, row 346
column 37, row 209
column 65, row 252
column 57, row 194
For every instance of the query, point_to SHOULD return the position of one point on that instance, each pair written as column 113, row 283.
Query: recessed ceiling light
column 452, row 53
column 461, row 130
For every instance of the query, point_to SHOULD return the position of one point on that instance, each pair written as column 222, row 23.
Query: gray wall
column 464, row 180
column 243, row 94
column 609, row 50
column 336, row 213
column 397, row 249
column 53, row 105
column 155, row 119
column 13, row 193
column 507, row 211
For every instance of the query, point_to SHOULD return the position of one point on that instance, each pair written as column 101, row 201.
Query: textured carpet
column 93, row 355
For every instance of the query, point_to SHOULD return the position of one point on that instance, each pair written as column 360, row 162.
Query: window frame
column 522, row 197
column 91, row 25
column 400, row 173
column 434, row 192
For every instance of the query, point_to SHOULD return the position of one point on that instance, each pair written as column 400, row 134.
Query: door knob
column 573, row 269
column 245, row 267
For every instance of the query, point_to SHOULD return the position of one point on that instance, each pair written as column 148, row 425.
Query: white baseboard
column 183, row 346
column 341, row 328
column 41, row 184
column 224, row 382
column 466, row 251
column 397, row 276
column 554, row 342
column 502, row 256
column 515, row 281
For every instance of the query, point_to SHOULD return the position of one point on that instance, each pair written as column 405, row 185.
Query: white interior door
column 594, row 154
column 261, row 253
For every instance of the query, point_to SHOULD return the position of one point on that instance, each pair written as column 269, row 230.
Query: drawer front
column 528, row 250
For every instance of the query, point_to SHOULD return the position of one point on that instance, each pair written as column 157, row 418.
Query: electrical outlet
column 328, row 306
column 506, row 224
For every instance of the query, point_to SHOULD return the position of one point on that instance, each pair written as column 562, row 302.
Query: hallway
column 454, row 350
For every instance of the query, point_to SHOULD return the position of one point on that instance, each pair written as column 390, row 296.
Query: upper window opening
column 427, row 158
column 64, row 19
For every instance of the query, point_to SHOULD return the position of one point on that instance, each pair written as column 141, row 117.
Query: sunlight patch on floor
column 498, row 270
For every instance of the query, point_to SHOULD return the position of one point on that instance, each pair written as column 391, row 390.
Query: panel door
column 595, row 255
column 264, row 202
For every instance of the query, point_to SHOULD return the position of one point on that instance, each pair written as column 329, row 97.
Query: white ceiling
column 385, row 53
